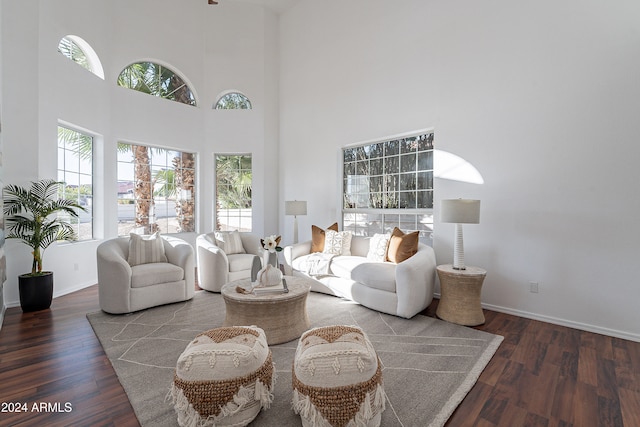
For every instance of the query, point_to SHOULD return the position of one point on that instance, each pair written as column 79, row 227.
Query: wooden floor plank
column 542, row 374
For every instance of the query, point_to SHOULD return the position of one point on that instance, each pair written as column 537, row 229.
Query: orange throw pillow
column 402, row 246
column 317, row 237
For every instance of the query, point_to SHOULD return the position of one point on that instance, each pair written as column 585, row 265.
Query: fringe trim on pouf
column 348, row 406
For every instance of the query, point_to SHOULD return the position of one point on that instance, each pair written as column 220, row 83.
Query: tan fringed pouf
column 224, row 377
column 337, row 379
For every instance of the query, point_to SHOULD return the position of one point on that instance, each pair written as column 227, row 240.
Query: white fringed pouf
column 224, row 377
column 337, row 379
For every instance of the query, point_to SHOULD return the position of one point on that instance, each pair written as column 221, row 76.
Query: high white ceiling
column 279, row 6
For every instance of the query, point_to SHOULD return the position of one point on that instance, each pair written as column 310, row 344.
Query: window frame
column 78, row 174
column 218, row 106
column 162, row 80
column 242, row 216
column 182, row 197
column 393, row 206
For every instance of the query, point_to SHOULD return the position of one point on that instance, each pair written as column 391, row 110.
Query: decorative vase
column 272, row 258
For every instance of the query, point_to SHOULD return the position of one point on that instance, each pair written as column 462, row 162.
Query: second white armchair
column 221, row 259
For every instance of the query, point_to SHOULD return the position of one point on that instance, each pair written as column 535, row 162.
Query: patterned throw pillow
column 318, row 237
column 145, row 249
column 230, row 242
column 378, row 247
column 337, row 242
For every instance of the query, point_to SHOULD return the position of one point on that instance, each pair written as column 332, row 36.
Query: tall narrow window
column 389, row 184
column 80, row 52
column 157, row 80
column 233, row 101
column 233, row 192
column 156, row 190
column 75, row 171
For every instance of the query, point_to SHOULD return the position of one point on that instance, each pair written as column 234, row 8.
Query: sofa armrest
column 415, row 281
column 295, row 251
column 114, row 278
column 213, row 264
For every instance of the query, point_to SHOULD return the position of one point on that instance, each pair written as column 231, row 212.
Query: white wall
column 542, row 98
column 214, row 48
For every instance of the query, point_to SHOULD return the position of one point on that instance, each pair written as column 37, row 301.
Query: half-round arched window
column 233, row 101
column 80, row 52
column 157, row 80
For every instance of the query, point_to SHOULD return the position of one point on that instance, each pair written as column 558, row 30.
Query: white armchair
column 217, row 268
column 125, row 289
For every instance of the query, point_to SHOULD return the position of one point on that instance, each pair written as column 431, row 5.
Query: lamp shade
column 460, row 211
column 295, row 207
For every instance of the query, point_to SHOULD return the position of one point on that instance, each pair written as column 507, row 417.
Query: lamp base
column 458, row 250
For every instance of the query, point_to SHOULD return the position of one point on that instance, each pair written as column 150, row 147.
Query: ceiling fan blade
column 213, row 2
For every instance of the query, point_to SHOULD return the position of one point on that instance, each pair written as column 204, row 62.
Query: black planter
column 36, row 292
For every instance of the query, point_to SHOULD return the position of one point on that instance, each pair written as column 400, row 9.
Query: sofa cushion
column 240, row 262
column 342, row 266
column 377, row 275
column 146, row 249
column 152, row 274
column 402, row 246
column 317, row 237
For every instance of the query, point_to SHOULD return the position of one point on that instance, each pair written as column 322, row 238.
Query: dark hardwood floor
column 542, row 374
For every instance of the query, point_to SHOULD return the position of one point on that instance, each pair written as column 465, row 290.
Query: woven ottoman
column 337, row 379
column 224, row 377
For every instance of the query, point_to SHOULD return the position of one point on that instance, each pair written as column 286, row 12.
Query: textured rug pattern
column 428, row 365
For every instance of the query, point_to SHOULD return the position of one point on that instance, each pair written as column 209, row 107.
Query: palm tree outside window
column 157, row 80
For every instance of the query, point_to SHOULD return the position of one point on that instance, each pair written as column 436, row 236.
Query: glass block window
column 389, row 184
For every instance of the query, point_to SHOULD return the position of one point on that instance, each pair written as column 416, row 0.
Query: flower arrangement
column 271, row 243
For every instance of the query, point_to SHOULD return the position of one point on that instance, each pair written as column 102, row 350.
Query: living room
column 540, row 98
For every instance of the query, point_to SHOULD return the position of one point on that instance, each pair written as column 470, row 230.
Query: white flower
column 270, row 243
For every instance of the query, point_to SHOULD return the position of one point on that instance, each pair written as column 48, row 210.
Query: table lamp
column 295, row 208
column 458, row 212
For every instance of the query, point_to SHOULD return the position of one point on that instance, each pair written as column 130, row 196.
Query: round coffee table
column 282, row 316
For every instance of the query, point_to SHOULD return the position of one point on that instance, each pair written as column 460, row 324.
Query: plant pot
column 36, row 292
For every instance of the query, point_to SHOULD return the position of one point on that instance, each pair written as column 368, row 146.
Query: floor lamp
column 459, row 211
column 295, row 208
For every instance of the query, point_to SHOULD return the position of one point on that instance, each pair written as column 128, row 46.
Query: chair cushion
column 240, row 262
column 152, row 274
column 146, row 249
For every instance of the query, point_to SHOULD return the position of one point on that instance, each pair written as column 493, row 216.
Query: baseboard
column 11, row 304
column 2, row 310
column 562, row 322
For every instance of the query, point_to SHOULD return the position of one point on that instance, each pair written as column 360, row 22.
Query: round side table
column 460, row 295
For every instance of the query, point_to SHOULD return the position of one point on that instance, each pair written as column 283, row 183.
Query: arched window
column 156, row 80
column 233, row 101
column 80, row 52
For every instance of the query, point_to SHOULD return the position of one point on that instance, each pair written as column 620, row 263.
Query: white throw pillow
column 337, row 242
column 145, row 249
column 230, row 242
column 378, row 247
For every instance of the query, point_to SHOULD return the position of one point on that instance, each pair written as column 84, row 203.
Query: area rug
column 428, row 365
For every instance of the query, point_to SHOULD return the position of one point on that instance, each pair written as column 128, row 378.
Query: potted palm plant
column 32, row 216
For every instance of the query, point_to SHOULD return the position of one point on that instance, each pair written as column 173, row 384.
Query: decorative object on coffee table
column 224, row 377
column 460, row 292
column 271, row 245
column 282, row 315
column 460, row 211
column 337, row 378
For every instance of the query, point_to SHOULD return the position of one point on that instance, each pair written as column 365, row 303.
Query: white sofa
column 125, row 289
column 403, row 289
